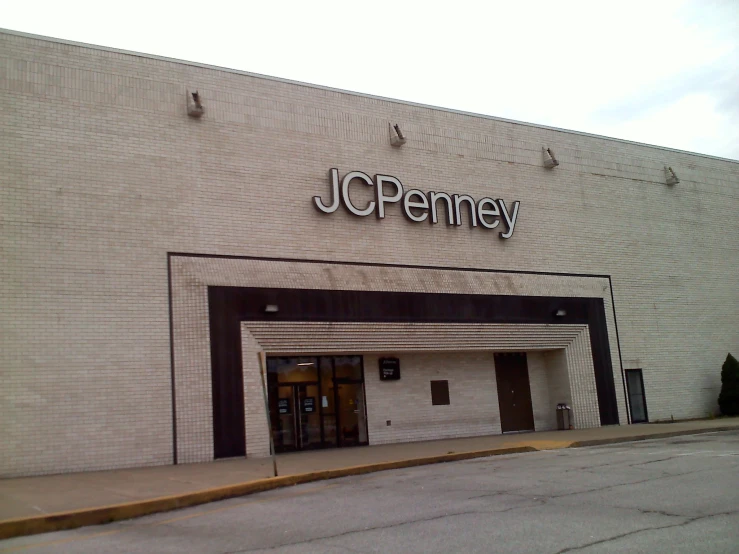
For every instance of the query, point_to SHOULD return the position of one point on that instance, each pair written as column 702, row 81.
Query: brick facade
column 104, row 173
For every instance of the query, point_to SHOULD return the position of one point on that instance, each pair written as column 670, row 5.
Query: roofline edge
column 352, row 93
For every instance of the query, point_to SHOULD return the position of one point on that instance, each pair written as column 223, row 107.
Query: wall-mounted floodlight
column 397, row 138
column 671, row 176
column 560, row 313
column 271, row 309
column 550, row 160
column 194, row 104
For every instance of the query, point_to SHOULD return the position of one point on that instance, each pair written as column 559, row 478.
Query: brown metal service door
column 514, row 392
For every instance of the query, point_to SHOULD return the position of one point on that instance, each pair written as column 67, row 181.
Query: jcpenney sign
column 416, row 205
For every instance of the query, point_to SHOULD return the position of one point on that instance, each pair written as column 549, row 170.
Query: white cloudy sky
column 660, row 72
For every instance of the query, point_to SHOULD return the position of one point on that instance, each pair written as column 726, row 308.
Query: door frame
column 643, row 395
column 496, row 356
column 296, row 407
column 344, row 381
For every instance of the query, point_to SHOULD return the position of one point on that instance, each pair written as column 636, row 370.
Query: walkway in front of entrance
column 34, row 496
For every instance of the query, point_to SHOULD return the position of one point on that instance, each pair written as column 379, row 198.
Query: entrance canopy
column 575, row 372
column 220, row 322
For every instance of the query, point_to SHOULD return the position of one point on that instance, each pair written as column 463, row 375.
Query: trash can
column 564, row 417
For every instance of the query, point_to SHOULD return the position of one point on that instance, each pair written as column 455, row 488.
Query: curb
column 649, row 436
column 61, row 521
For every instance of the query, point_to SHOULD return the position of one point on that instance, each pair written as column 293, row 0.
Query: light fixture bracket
column 550, row 160
column 194, row 104
column 671, row 176
column 397, row 138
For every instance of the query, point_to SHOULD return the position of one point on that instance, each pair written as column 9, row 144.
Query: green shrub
column 728, row 400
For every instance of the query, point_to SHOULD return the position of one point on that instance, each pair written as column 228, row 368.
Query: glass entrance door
column 353, row 429
column 298, row 421
column 316, row 402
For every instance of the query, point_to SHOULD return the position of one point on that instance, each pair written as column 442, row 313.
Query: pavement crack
column 535, row 500
column 491, row 494
column 364, row 530
column 659, row 512
column 688, row 521
column 345, row 548
column 654, row 461
column 616, row 537
column 597, row 489
column 608, row 487
column 594, row 467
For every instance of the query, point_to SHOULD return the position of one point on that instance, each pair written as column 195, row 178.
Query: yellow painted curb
column 650, row 436
column 106, row 514
column 550, row 444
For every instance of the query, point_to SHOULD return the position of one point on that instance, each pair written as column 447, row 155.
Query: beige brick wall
column 582, row 384
column 103, row 173
column 473, row 409
column 256, row 426
column 473, row 398
column 550, row 385
column 540, row 397
column 558, row 379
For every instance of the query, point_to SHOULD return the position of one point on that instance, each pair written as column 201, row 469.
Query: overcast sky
column 664, row 73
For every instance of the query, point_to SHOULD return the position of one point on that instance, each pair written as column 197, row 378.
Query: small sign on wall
column 283, row 406
column 309, row 404
column 389, row 369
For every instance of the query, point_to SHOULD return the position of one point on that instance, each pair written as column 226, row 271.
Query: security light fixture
column 194, row 104
column 671, row 176
column 397, row 138
column 271, row 309
column 550, row 160
column 560, row 313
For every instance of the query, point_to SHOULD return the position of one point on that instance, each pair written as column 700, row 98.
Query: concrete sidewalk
column 39, row 504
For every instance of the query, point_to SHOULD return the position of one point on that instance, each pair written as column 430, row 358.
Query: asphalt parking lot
column 669, row 495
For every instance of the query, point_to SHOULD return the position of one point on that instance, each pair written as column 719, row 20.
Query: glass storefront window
column 316, row 402
column 293, row 370
column 348, row 367
column 352, row 414
column 328, row 406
